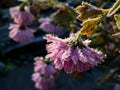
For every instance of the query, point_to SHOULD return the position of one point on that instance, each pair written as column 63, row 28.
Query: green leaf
column 117, row 19
column 64, row 16
column 77, row 75
column 108, row 76
column 44, row 4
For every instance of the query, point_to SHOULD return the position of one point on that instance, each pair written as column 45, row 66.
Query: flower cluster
column 23, row 18
column 48, row 27
column 43, row 74
column 72, row 57
column 72, row 54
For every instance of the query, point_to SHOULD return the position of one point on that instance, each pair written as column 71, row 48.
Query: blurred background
column 16, row 60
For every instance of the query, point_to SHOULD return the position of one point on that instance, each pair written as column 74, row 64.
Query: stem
column 22, row 6
column 109, row 76
column 97, row 21
column 78, row 36
column 114, row 8
column 101, row 18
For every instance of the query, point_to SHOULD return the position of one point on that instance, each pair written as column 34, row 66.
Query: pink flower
column 20, row 35
column 22, row 17
column 43, row 74
column 117, row 87
column 42, row 20
column 42, row 67
column 70, row 57
column 43, row 83
column 48, row 27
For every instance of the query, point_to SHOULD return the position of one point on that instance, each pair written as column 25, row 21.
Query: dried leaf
column 35, row 9
column 89, row 11
column 90, row 26
column 65, row 16
column 45, row 4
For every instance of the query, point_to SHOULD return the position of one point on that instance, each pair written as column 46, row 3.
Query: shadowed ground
column 20, row 79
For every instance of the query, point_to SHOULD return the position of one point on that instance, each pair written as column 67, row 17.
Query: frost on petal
column 86, row 42
column 51, row 38
column 67, row 53
column 73, row 58
column 58, row 64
